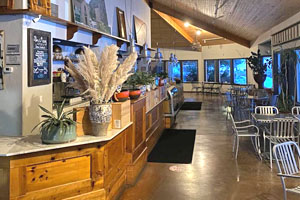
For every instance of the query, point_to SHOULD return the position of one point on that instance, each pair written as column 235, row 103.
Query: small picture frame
column 121, row 24
column 39, row 57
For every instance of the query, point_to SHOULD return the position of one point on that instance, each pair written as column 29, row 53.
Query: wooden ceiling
column 241, row 21
column 169, row 32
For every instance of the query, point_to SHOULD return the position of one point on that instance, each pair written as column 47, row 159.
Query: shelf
column 72, row 27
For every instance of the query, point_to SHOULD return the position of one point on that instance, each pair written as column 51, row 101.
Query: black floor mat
column 174, row 146
column 191, row 106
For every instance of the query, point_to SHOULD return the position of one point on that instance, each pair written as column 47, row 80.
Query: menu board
column 39, row 63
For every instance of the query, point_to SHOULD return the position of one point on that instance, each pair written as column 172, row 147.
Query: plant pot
column 135, row 94
column 259, row 79
column 100, row 116
column 161, row 82
column 56, row 135
column 122, row 96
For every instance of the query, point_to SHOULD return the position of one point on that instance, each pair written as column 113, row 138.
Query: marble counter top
column 13, row 146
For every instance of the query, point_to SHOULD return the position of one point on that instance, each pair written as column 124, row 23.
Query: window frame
column 181, row 70
column 217, row 74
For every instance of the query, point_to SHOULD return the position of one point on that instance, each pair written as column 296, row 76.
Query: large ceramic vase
column 259, row 79
column 100, row 116
column 56, row 135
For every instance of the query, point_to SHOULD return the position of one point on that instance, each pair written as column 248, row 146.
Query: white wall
column 19, row 111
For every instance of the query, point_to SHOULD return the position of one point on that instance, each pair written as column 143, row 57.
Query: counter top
column 13, row 146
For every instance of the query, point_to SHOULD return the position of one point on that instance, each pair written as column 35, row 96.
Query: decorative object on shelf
column 39, row 62
column 6, row 4
column 162, row 76
column 1, row 59
column 59, row 128
column 91, row 13
column 98, row 80
column 57, row 52
column 287, row 71
column 54, row 10
column 140, row 29
column 121, row 96
column 255, row 62
column 121, row 24
column 138, row 83
column 40, row 6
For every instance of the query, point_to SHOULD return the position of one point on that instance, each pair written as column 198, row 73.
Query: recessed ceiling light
column 198, row 32
column 186, row 24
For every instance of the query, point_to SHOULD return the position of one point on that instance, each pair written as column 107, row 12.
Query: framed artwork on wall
column 2, row 45
column 91, row 13
column 6, row 4
column 140, row 29
column 121, row 23
column 39, row 61
column 40, row 6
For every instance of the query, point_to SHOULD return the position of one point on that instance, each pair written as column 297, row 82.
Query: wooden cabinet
column 91, row 171
column 136, row 141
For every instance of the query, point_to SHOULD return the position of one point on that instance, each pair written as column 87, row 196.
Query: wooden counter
column 89, row 168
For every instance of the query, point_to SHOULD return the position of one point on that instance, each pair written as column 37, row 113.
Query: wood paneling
column 241, row 20
column 95, row 195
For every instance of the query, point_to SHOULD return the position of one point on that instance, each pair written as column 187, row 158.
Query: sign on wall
column 39, row 62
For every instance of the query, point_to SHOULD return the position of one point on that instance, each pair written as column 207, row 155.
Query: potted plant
column 59, row 128
column 98, row 80
column 162, row 76
column 286, row 99
column 255, row 62
column 133, row 81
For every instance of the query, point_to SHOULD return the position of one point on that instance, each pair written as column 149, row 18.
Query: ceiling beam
column 196, row 21
column 178, row 28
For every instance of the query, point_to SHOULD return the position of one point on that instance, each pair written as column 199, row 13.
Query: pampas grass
column 99, row 79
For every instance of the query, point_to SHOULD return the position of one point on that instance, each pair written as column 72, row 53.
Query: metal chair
column 197, row 86
column 244, row 129
column 266, row 110
column 287, row 164
column 296, row 110
column 281, row 130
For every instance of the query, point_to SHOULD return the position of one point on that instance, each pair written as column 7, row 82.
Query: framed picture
column 39, row 61
column 91, row 13
column 140, row 29
column 6, row 4
column 40, row 6
column 121, row 23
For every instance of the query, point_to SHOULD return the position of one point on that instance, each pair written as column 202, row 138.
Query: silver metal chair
column 281, row 130
column 287, row 165
column 244, row 129
column 197, row 86
column 266, row 110
column 296, row 110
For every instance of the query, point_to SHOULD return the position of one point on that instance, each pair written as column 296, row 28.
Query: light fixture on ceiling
column 186, row 24
column 198, row 32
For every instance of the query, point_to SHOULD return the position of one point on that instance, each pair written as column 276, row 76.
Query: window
column 224, row 71
column 190, row 70
column 210, row 70
column 185, row 70
column 240, row 71
column 269, row 80
column 231, row 71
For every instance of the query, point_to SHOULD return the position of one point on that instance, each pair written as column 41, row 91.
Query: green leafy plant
column 162, row 75
column 139, row 78
column 255, row 62
column 61, row 119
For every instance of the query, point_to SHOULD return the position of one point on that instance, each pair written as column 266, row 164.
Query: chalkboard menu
column 39, row 62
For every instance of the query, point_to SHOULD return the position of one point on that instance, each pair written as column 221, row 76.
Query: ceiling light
column 186, row 24
column 198, row 32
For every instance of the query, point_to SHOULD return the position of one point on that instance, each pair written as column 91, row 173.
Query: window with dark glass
column 224, row 71
column 210, row 70
column 189, row 70
column 240, row 71
column 176, row 74
column 269, row 79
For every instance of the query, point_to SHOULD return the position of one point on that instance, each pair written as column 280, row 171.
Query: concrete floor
column 214, row 174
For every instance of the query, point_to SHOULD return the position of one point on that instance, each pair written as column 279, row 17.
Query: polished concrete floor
column 214, row 174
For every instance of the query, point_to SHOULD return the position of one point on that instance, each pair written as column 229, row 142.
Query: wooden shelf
column 72, row 27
